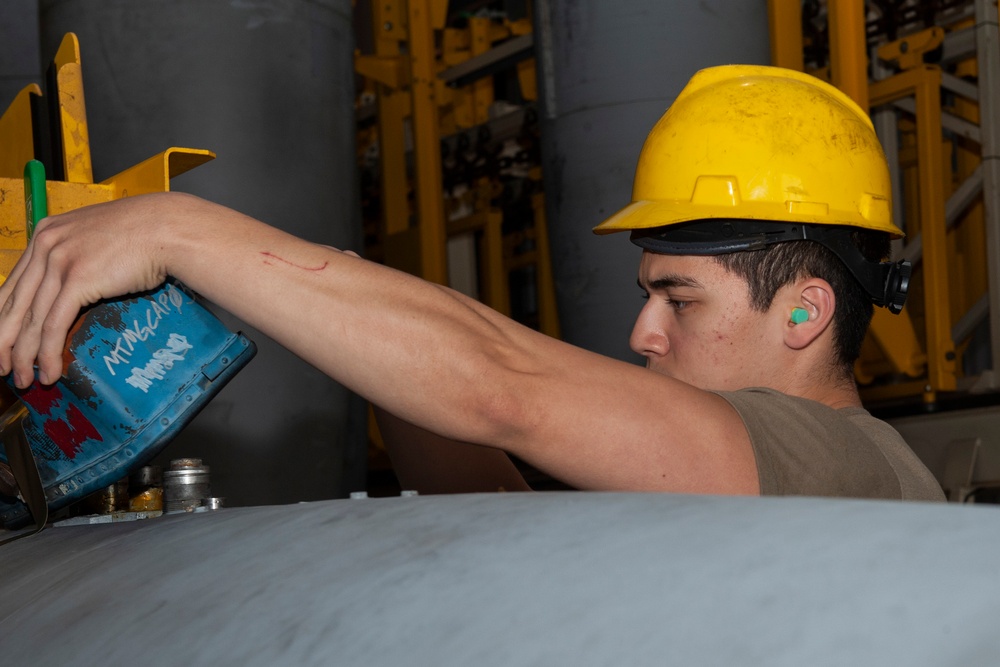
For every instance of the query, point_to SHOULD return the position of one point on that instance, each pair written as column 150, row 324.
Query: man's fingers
column 33, row 323
column 62, row 314
column 17, row 293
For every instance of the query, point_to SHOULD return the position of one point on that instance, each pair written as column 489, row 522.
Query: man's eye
column 645, row 295
column 679, row 305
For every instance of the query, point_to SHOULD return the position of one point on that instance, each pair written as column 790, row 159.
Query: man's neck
column 837, row 395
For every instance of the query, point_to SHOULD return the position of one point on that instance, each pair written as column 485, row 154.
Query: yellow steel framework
column 420, row 112
column 425, row 17
column 406, row 66
column 919, row 352
column 924, row 84
column 79, row 188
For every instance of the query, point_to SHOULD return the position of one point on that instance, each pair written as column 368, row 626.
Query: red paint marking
column 42, row 399
column 297, row 266
column 71, row 435
column 68, row 435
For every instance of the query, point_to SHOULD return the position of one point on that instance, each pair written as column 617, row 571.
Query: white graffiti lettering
column 117, row 356
column 170, row 300
column 162, row 361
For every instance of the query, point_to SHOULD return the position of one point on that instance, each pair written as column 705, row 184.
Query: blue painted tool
column 138, row 370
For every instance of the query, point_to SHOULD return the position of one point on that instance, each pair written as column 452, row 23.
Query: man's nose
column 649, row 336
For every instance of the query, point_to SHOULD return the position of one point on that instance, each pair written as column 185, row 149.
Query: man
column 761, row 200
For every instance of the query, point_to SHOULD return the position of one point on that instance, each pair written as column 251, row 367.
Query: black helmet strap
column 886, row 282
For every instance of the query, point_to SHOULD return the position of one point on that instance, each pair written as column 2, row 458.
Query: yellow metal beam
column 393, row 108
column 438, row 12
column 62, row 197
column 924, row 83
column 908, row 52
column 16, row 134
column 482, row 89
column 457, row 105
column 785, row 24
column 73, row 112
column 427, row 141
column 527, row 79
column 389, row 19
column 154, row 174
column 388, row 70
column 13, row 222
column 896, row 338
column 495, row 291
column 65, row 196
column 493, row 279
column 389, row 28
column 848, row 51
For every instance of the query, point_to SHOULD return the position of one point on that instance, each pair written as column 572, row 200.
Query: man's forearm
column 427, row 353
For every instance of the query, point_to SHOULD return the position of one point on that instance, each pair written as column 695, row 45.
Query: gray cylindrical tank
column 607, row 72
column 268, row 86
column 514, row 579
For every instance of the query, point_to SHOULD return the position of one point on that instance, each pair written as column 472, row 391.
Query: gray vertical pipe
column 268, row 86
column 607, row 72
column 988, row 60
column 886, row 123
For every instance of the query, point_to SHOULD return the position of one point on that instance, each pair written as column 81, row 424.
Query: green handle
column 36, row 204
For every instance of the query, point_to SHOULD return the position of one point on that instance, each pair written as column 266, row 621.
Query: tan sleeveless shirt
column 805, row 448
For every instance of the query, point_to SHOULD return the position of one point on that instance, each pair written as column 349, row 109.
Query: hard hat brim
column 646, row 214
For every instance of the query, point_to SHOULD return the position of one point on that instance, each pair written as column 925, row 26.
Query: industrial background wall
column 269, row 88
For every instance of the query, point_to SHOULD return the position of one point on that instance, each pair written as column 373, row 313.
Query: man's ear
column 811, row 305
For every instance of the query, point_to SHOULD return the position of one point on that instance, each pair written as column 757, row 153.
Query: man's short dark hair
column 769, row 269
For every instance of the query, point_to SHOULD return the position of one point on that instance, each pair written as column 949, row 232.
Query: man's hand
column 74, row 260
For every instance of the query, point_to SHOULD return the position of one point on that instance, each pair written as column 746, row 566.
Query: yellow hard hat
column 749, row 142
column 748, row 156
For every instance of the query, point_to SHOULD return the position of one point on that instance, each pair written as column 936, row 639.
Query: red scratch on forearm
column 268, row 257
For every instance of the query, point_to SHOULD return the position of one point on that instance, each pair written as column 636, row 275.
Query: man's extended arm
column 433, row 357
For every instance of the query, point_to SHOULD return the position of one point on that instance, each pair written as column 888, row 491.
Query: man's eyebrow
column 668, row 281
